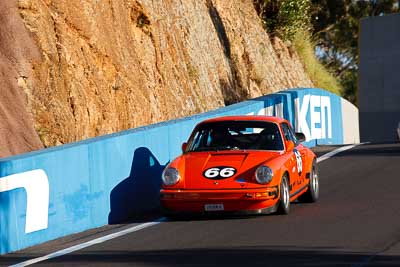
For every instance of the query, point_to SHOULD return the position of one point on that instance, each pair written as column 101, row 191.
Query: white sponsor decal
column 36, row 185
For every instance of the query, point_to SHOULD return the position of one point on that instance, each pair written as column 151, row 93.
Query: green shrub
column 291, row 21
column 284, row 17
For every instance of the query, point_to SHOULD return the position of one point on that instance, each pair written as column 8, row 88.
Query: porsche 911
column 240, row 164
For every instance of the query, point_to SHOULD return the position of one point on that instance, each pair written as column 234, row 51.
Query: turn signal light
column 266, row 194
column 269, row 194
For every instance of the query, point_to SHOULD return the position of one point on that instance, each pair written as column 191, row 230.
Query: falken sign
column 320, row 113
column 316, row 115
column 59, row 191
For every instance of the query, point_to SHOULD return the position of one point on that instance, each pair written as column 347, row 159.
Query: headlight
column 170, row 176
column 264, row 174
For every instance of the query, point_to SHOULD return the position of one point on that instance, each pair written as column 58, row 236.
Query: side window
column 195, row 141
column 288, row 133
column 294, row 138
column 199, row 140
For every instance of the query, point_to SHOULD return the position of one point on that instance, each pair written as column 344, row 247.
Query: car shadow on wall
column 136, row 198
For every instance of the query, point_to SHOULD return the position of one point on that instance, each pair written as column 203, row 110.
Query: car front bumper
column 242, row 201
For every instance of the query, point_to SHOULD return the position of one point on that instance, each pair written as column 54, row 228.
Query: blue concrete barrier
column 110, row 178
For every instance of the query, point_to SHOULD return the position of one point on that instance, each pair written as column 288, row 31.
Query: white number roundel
column 299, row 162
column 219, row 172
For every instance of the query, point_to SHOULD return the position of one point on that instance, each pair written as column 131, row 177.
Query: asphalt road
column 355, row 223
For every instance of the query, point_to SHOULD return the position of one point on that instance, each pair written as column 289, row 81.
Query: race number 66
column 219, row 172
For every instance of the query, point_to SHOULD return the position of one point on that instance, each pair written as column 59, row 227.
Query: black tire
column 312, row 193
column 284, row 202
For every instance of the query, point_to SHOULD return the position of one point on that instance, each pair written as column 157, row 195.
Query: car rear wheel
column 312, row 194
column 284, row 203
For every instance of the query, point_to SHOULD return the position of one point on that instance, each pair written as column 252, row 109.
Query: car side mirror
column 300, row 137
column 184, row 146
column 289, row 145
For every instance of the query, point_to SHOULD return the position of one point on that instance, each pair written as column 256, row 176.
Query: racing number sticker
column 219, row 172
column 299, row 162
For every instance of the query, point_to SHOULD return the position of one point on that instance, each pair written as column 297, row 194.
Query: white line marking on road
column 137, row 227
column 89, row 243
column 334, row 152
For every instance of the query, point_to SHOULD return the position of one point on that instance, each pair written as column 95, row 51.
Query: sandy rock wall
column 109, row 65
column 17, row 51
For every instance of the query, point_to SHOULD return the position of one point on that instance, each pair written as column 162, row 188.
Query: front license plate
column 214, row 207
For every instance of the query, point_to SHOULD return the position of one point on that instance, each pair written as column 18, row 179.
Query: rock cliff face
column 17, row 51
column 108, row 65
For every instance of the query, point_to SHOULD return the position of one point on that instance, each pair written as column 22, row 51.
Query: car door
column 303, row 154
column 297, row 159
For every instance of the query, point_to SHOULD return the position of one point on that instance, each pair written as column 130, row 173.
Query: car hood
column 236, row 169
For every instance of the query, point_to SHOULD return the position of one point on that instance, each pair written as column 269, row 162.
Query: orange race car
column 251, row 164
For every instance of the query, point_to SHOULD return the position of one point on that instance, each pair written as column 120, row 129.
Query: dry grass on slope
column 319, row 75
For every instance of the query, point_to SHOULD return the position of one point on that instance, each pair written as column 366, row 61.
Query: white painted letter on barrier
column 301, row 116
column 320, row 116
column 326, row 116
column 36, row 185
column 315, row 117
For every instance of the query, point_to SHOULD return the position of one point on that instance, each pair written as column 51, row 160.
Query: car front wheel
column 284, row 203
column 312, row 194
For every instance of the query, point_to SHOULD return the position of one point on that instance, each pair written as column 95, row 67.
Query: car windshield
column 236, row 135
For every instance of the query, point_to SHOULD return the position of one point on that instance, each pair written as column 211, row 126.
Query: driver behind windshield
column 220, row 137
column 235, row 135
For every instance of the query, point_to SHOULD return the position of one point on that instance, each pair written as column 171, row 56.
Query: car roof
column 246, row 118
